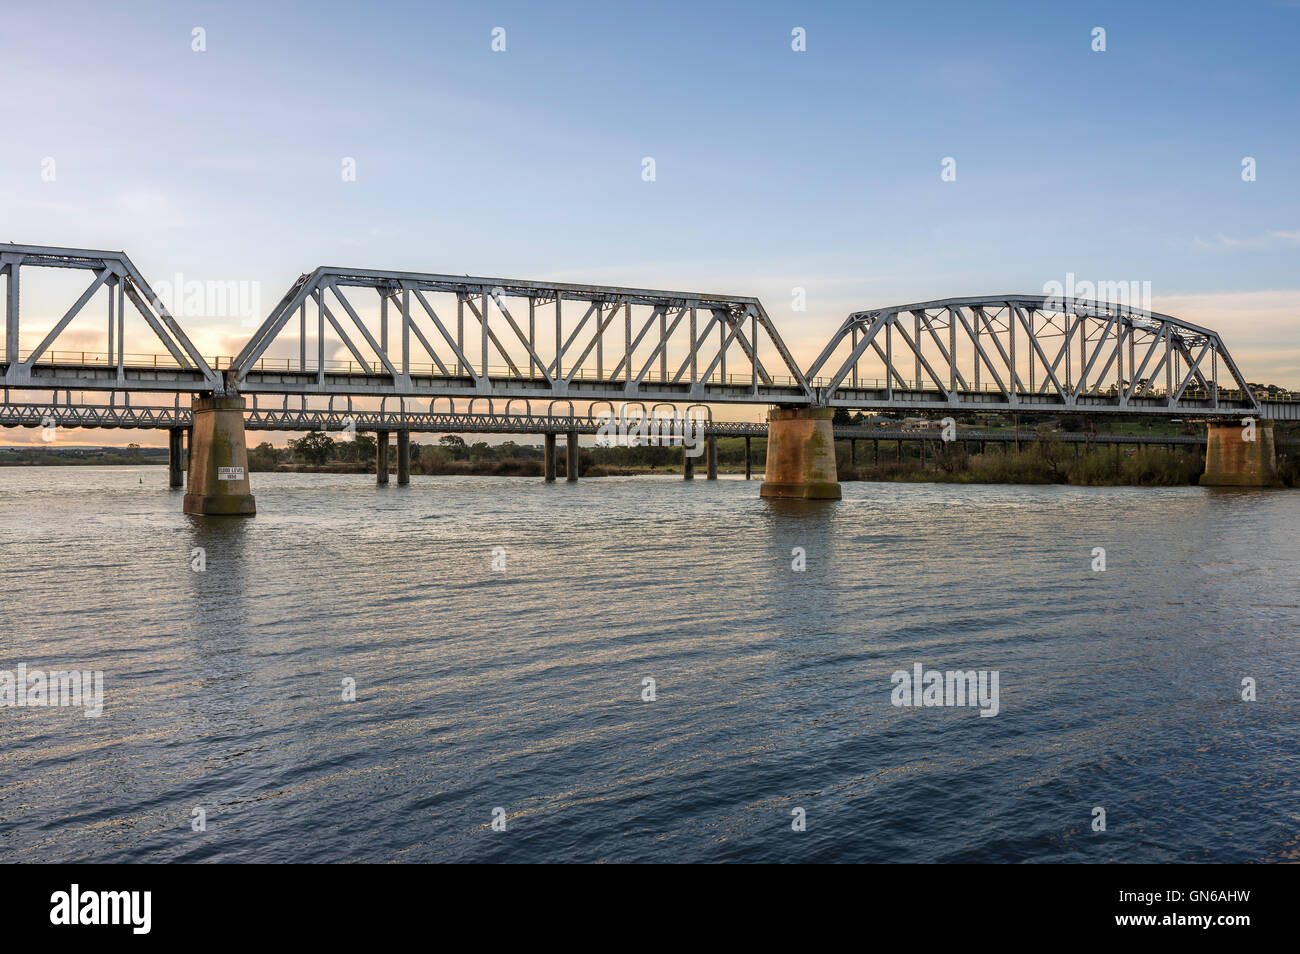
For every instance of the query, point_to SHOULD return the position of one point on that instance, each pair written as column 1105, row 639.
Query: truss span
column 1029, row 353
column 116, row 283
column 428, row 335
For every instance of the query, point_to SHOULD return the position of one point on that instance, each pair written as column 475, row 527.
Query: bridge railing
column 91, row 359
column 1229, row 394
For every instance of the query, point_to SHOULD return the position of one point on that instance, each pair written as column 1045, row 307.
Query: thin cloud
column 1273, row 239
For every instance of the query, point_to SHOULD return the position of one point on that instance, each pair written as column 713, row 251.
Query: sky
column 775, row 168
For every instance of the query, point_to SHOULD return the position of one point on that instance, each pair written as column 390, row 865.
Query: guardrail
column 136, row 360
column 155, row 417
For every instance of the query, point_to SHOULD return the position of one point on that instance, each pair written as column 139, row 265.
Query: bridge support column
column 1233, row 461
column 550, row 458
column 688, row 465
column 571, row 456
column 175, row 457
column 749, row 461
column 711, row 456
column 218, row 483
column 403, row 458
column 381, row 457
column 800, row 454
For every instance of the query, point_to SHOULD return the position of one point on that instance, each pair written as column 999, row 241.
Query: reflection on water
column 522, row 689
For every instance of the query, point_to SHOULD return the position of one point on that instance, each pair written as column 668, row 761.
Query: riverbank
column 510, row 467
column 1033, row 465
column 1051, row 464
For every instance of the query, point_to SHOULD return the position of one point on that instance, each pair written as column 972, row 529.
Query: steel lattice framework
column 609, row 343
column 406, row 335
column 340, row 421
column 44, row 366
column 1031, row 353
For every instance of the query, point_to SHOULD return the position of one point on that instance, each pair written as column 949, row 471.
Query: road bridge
column 178, row 421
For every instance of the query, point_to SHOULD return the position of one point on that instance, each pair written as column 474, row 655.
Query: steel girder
column 1030, row 353
column 184, row 370
column 280, row 419
column 609, row 342
column 307, row 419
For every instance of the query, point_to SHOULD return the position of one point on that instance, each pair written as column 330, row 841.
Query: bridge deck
column 163, row 418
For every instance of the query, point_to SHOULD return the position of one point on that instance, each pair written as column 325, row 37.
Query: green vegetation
column 453, row 455
column 52, row 455
column 1044, row 459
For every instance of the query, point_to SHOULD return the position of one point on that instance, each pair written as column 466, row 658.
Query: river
column 500, row 632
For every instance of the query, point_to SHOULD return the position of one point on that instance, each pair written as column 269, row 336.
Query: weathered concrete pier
column 1240, row 454
column 800, row 454
column 218, row 478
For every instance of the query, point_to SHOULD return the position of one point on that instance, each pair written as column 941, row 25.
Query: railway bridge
column 500, row 347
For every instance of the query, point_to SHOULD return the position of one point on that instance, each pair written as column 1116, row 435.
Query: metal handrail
column 499, row 372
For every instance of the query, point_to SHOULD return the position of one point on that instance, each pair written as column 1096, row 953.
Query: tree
column 841, row 418
column 360, row 448
column 263, row 457
column 314, row 447
column 1051, row 451
column 455, row 446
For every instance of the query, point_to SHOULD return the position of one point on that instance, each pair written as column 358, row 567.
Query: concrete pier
column 711, row 456
column 688, row 465
column 800, row 454
column 218, row 475
column 403, row 458
column 176, row 457
column 571, row 456
column 1232, row 460
column 749, row 460
column 550, row 458
column 381, row 457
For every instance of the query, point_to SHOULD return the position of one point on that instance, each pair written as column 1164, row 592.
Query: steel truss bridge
column 409, row 335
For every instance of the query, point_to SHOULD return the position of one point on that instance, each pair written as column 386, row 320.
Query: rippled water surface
column 522, row 689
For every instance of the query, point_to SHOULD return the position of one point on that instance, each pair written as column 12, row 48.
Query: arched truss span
column 1028, row 352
